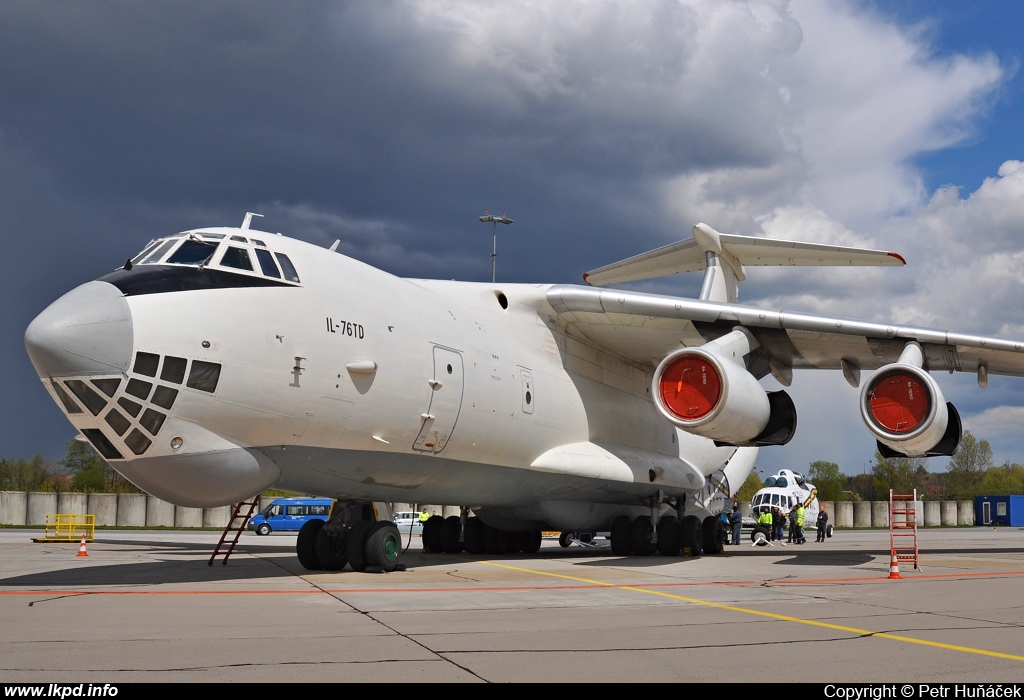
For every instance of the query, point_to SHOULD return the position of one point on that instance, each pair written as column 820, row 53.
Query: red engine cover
column 690, row 387
column 899, row 402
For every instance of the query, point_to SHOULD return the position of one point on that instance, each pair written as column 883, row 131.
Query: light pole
column 495, row 220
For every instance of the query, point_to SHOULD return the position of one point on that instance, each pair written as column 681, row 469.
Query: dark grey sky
column 604, row 129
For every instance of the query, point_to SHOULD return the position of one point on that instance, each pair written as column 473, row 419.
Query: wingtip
column 585, row 276
column 899, row 257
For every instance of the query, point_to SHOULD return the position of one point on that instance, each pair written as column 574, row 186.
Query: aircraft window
column 89, row 398
column 782, row 482
column 155, row 256
column 119, row 423
column 192, row 252
column 214, row 236
column 107, row 386
column 129, row 406
column 174, row 369
column 267, row 263
column 137, row 442
column 256, row 242
column 69, row 405
column 145, row 251
column 289, row 270
column 770, row 481
column 152, row 421
column 240, row 239
column 164, row 397
column 102, row 444
column 204, row 376
column 237, row 258
column 139, row 388
column 146, row 363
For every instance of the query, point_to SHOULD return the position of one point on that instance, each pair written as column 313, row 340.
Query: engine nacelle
column 713, row 397
column 904, row 408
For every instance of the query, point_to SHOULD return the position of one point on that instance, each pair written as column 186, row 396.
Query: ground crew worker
column 765, row 520
column 424, row 515
column 822, row 524
column 736, row 520
column 800, row 524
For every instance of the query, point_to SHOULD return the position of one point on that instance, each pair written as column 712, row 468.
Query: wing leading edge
column 646, row 327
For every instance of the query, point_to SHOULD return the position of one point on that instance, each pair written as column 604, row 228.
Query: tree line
column 81, row 470
column 969, row 473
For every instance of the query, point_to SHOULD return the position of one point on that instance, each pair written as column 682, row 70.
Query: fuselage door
column 438, row 422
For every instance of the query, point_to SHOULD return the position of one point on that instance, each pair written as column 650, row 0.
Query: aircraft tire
column 622, row 536
column 565, row 539
column 330, row 550
column 383, row 545
column 828, row 530
column 713, row 531
column 668, row 536
column 494, row 540
column 305, row 545
column 513, row 542
column 448, row 535
column 429, row 536
column 758, row 529
column 473, row 534
column 690, row 537
column 531, row 541
column 263, row 529
column 641, row 536
column 356, row 548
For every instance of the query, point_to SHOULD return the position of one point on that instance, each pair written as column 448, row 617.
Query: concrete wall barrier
column 862, row 513
column 880, row 514
column 932, row 514
column 843, row 515
column 159, row 513
column 188, row 517
column 40, row 504
column 71, row 503
column 965, row 512
column 131, row 509
column 13, row 507
column 218, row 517
column 103, row 508
column 948, row 513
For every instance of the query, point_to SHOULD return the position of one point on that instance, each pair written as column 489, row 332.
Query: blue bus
column 289, row 514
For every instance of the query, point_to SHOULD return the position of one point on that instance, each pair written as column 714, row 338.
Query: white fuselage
column 361, row 385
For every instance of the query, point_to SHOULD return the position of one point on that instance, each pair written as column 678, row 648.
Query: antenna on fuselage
column 248, row 219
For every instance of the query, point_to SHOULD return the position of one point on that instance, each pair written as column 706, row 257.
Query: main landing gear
column 458, row 533
column 351, row 537
column 668, row 535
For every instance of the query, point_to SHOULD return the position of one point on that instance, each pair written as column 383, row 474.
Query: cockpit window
column 159, row 252
column 237, row 258
column 267, row 263
column 192, row 252
column 286, row 265
column 145, row 251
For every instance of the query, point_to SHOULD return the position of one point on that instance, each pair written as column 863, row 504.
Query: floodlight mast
column 495, row 220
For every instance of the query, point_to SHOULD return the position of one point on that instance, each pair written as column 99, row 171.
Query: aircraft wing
column 646, row 327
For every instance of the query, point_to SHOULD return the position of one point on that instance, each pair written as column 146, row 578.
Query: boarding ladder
column 239, row 519
column 903, row 527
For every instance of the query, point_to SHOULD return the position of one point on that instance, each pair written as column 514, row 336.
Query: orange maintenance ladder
column 236, row 525
column 903, row 527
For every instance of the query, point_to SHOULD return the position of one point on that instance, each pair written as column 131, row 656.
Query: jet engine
column 905, row 410
column 708, row 392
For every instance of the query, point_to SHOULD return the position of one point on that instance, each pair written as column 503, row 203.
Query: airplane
column 783, row 490
column 219, row 362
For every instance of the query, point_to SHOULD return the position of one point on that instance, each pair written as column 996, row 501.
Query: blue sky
column 604, row 128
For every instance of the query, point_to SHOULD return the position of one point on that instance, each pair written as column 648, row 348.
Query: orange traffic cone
column 81, row 548
column 894, row 568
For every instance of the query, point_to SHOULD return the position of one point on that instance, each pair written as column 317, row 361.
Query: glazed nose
column 87, row 331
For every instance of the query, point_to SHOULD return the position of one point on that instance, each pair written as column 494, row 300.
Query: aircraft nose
column 86, row 331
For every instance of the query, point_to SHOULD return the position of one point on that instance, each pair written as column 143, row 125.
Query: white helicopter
column 784, row 491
